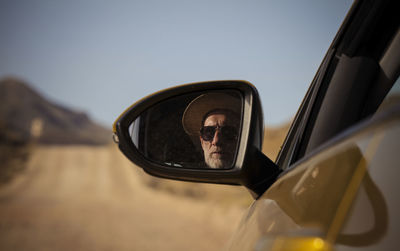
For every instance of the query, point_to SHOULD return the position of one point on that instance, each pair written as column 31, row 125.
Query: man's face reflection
column 218, row 140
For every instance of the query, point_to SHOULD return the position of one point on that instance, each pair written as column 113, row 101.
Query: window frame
column 350, row 39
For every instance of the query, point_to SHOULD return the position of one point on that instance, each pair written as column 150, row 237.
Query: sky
column 101, row 56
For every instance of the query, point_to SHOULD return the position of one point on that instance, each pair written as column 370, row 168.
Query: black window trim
column 296, row 143
column 290, row 146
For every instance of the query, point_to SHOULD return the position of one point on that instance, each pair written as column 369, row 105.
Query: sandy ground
column 91, row 198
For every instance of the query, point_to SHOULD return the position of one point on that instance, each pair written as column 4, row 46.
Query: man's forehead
column 217, row 118
column 220, row 118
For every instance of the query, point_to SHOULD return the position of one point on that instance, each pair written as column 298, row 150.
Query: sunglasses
column 226, row 132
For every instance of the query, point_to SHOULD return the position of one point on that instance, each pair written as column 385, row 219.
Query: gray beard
column 217, row 163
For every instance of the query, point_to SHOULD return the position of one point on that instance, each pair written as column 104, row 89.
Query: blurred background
column 69, row 68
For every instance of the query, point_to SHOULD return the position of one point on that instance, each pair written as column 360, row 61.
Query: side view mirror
column 203, row 132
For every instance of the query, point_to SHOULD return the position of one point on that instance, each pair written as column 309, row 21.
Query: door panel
column 373, row 222
column 315, row 198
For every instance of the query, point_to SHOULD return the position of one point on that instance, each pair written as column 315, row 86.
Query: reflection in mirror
column 196, row 130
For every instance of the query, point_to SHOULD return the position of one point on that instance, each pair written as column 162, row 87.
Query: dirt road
column 91, row 198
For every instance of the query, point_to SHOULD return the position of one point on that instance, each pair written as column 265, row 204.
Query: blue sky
column 101, row 56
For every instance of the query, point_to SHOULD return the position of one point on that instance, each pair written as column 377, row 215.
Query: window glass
column 392, row 98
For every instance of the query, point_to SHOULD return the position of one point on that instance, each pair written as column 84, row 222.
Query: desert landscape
column 93, row 198
column 90, row 198
column 81, row 194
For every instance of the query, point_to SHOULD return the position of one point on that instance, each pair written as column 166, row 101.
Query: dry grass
column 93, row 198
column 14, row 152
column 13, row 160
column 273, row 139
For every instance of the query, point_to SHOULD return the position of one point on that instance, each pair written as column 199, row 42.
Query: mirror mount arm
column 263, row 167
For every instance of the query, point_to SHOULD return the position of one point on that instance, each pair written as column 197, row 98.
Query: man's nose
column 216, row 140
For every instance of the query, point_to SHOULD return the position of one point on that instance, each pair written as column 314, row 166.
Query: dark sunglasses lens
column 229, row 132
column 207, row 132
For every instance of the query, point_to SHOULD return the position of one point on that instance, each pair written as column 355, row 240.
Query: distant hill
column 27, row 115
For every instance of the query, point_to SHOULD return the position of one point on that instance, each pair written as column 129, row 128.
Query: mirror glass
column 199, row 130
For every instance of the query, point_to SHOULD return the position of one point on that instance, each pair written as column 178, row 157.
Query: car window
column 385, row 93
column 392, row 98
column 357, row 80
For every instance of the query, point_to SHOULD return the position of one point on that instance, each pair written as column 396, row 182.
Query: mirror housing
column 251, row 168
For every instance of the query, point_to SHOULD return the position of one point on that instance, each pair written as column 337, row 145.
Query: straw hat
column 203, row 104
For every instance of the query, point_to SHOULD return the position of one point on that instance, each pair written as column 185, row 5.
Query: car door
column 339, row 158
